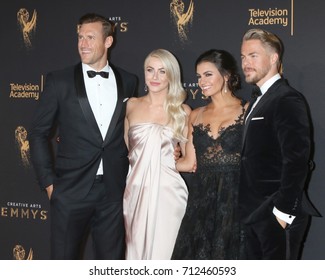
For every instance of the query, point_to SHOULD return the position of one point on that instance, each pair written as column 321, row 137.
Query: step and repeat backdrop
column 40, row 36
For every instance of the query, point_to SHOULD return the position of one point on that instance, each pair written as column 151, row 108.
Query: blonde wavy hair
column 176, row 93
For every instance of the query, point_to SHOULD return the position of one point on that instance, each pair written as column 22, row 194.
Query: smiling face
column 155, row 75
column 209, row 78
column 92, row 45
column 259, row 63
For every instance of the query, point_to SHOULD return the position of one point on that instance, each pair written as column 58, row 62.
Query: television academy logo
column 181, row 17
column 27, row 26
column 26, row 90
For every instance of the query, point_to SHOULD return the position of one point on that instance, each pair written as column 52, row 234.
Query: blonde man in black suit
column 275, row 154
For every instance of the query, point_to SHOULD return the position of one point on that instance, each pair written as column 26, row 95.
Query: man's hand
column 177, row 152
column 194, row 167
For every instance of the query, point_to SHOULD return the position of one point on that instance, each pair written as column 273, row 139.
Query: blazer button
column 243, row 158
column 311, row 164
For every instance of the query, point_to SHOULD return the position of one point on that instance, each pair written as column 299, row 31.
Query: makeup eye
column 162, row 71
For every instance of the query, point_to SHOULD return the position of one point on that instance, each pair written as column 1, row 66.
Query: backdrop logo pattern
column 19, row 253
column 23, row 145
column 26, row 90
column 181, row 17
column 119, row 25
column 270, row 16
column 23, row 211
column 193, row 90
column 27, row 26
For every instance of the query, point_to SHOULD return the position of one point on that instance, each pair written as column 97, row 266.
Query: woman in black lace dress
column 210, row 228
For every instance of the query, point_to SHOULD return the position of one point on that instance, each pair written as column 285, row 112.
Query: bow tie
column 256, row 92
column 92, row 74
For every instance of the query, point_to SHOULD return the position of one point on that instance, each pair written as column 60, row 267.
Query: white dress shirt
column 264, row 89
column 102, row 96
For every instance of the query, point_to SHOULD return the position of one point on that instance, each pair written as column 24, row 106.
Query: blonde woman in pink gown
column 156, row 195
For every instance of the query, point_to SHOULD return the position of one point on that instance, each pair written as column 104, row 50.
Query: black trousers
column 72, row 221
column 267, row 240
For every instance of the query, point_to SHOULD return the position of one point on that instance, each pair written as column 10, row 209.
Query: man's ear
column 108, row 41
column 274, row 58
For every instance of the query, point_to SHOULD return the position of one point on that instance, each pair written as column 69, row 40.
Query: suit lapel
column 119, row 105
column 246, row 120
column 83, row 99
column 264, row 99
column 259, row 105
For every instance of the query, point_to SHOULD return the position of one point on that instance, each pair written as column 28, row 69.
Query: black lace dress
column 210, row 228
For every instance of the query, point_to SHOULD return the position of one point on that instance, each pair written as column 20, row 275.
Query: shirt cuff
column 283, row 216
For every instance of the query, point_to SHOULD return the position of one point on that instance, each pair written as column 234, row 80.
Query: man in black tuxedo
column 85, row 185
column 275, row 155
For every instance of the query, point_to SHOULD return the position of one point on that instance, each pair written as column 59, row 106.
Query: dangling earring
column 203, row 96
column 145, row 88
column 226, row 87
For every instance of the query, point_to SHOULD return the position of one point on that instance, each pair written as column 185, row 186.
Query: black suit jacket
column 275, row 155
column 80, row 148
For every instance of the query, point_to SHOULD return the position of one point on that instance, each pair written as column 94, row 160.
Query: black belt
column 99, row 178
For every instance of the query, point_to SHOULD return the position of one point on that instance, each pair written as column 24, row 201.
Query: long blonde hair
column 176, row 93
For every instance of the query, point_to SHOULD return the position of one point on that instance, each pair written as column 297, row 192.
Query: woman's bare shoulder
column 187, row 109
column 195, row 113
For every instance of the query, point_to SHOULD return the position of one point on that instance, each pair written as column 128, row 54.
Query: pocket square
column 125, row 99
column 257, row 118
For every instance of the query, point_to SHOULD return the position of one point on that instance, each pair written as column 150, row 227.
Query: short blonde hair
column 268, row 40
